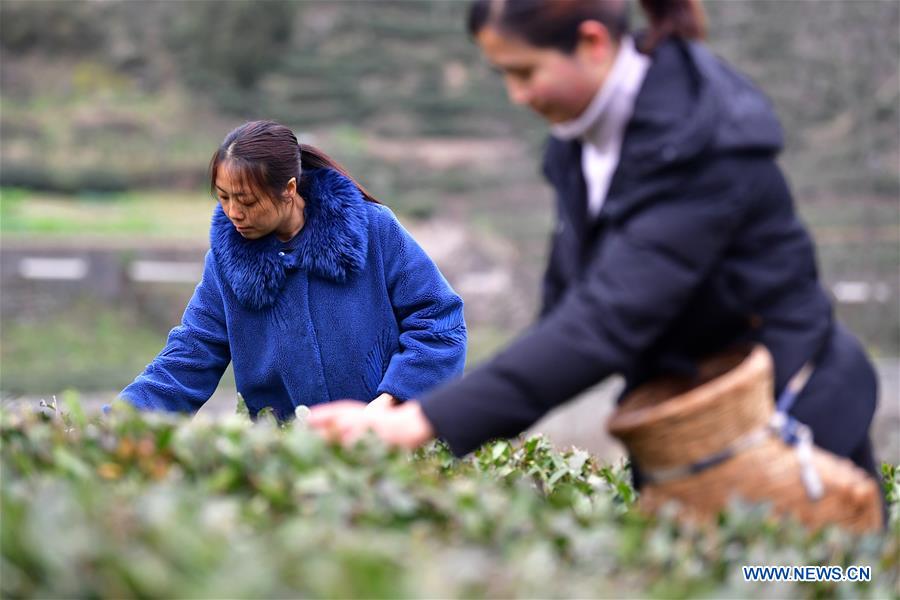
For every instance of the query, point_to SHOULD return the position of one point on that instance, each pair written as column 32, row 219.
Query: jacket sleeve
column 185, row 374
column 429, row 315
column 643, row 275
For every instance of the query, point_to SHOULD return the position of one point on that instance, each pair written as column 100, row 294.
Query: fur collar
column 332, row 244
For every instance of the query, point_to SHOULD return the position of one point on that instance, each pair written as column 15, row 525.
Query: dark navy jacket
column 697, row 247
column 352, row 307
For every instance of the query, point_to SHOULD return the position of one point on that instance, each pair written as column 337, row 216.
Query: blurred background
column 111, row 110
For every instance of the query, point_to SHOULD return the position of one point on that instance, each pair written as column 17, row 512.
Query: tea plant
column 154, row 505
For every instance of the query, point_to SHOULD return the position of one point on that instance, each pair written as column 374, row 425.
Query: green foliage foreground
column 149, row 505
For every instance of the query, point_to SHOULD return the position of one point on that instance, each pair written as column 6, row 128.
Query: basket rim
column 756, row 366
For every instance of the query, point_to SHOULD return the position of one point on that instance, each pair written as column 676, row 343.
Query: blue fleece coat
column 352, row 307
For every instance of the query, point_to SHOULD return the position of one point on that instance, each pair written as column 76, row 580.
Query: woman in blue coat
column 311, row 288
column 676, row 233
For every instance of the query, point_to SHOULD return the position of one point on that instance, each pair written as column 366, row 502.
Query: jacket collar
column 692, row 102
column 689, row 102
column 333, row 243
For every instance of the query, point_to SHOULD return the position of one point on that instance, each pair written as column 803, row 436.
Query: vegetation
column 151, row 214
column 109, row 113
column 119, row 94
column 81, row 348
column 131, row 505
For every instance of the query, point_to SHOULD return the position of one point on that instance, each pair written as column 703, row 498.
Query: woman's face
column 555, row 85
column 252, row 215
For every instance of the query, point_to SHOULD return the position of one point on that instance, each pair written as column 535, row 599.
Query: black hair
column 267, row 155
column 555, row 23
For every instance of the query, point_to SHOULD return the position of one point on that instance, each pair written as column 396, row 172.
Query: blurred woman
column 311, row 288
column 676, row 235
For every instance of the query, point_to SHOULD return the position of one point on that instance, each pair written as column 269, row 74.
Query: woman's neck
column 293, row 222
column 614, row 99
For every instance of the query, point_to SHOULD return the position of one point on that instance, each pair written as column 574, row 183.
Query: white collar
column 622, row 84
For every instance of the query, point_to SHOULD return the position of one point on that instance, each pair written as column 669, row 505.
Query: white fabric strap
column 781, row 425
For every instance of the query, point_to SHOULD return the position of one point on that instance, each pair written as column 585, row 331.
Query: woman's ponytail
column 681, row 18
column 313, row 158
column 267, row 156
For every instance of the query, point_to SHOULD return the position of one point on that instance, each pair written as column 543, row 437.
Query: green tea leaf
column 241, row 409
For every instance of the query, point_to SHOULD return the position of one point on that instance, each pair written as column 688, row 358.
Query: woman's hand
column 381, row 402
column 345, row 421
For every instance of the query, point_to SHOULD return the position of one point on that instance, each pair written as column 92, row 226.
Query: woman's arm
column 643, row 277
column 185, row 374
column 429, row 315
column 640, row 280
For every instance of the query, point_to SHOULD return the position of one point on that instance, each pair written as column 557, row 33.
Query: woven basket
column 670, row 423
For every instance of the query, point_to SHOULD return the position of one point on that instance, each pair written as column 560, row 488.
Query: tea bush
column 153, row 505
